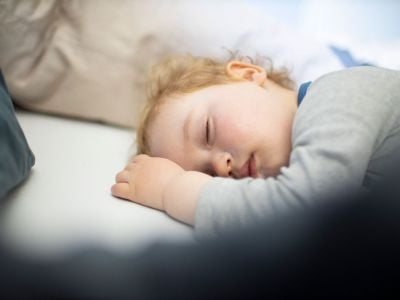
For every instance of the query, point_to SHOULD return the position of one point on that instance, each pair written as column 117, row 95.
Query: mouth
column 252, row 167
column 249, row 169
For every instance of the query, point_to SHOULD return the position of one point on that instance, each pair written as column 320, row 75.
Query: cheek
column 234, row 131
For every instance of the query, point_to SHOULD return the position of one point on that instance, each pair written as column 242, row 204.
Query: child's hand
column 162, row 184
column 145, row 179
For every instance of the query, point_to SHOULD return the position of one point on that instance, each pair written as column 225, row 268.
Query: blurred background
column 364, row 26
column 340, row 21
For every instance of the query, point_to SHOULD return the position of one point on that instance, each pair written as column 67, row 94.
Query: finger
column 121, row 190
column 139, row 157
column 130, row 166
column 122, row 176
column 136, row 159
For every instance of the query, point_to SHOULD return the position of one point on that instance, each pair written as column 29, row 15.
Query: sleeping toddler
column 223, row 145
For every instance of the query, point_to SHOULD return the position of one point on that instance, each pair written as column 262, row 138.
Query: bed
column 66, row 202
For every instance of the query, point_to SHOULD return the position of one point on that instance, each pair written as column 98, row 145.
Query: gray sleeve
column 343, row 119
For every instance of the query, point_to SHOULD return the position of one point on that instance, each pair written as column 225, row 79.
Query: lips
column 252, row 167
column 249, row 169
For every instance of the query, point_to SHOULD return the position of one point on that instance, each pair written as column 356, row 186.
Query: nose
column 222, row 164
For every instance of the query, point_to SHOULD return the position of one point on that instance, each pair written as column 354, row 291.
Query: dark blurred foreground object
column 16, row 158
column 345, row 249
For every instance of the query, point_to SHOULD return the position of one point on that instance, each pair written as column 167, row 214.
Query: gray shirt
column 345, row 133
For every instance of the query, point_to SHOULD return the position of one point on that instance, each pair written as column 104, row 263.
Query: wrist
column 172, row 180
column 181, row 194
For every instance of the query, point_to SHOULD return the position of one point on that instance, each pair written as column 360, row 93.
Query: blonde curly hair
column 182, row 74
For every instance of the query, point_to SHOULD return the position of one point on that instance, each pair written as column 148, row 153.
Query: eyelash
column 207, row 131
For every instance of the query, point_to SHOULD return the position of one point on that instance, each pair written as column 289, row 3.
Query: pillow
column 16, row 159
column 88, row 59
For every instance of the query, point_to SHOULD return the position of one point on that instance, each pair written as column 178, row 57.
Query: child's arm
column 160, row 183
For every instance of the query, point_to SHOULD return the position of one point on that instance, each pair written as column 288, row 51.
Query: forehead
column 165, row 131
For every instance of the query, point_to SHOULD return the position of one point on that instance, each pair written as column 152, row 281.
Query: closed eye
column 208, row 131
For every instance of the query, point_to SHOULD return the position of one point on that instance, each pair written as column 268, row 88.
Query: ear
column 241, row 70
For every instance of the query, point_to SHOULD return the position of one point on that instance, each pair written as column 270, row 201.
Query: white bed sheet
column 66, row 202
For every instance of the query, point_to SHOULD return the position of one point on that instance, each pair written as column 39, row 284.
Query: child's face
column 237, row 129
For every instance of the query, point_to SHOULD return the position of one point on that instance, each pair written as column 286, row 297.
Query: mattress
column 66, row 202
